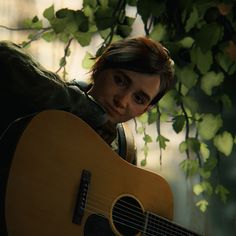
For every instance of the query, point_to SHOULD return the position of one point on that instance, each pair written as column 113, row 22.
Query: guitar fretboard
column 157, row 225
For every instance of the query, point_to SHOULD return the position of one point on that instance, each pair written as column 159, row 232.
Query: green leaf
column 193, row 144
column 168, row 101
column 62, row 62
column 104, row 17
column 64, row 12
column 64, row 37
column 152, row 116
column 132, row 2
column 157, row 8
column 147, row 138
column 88, row 61
column 204, row 150
column 204, row 186
column 49, row 36
column 49, row 12
column 224, row 143
column 206, row 174
column 226, row 102
column 83, row 39
column 198, row 189
column 143, row 118
column 35, row 19
column 224, row 61
column 59, row 25
column 104, row 3
column 129, row 20
column 162, row 141
column 145, row 150
column 124, row 30
column 186, row 42
column 88, row 12
column 209, row 125
column 210, row 81
column 190, row 103
column 202, row 204
column 143, row 162
column 187, row 76
column 140, row 130
column 179, row 122
column 208, row 36
column 183, row 146
column 210, row 163
column 143, row 9
column 222, row 192
column 91, row 3
column 80, row 20
column 203, row 60
column 190, row 166
column 158, row 33
column 192, row 20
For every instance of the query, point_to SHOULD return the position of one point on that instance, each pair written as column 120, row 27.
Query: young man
column 126, row 80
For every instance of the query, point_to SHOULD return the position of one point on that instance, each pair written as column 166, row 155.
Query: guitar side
column 45, row 175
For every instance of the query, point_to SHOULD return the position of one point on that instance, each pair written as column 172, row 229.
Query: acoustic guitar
column 65, row 180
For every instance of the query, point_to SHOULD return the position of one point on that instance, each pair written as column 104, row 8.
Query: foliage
column 200, row 36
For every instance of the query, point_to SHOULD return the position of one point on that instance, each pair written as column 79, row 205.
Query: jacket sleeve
column 27, row 87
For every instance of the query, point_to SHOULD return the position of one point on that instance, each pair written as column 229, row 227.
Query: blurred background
column 219, row 219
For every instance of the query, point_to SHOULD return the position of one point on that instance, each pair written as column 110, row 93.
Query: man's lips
column 112, row 111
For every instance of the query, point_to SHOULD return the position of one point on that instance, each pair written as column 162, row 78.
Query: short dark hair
column 139, row 54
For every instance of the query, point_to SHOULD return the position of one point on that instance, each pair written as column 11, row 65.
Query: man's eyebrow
column 142, row 93
column 124, row 75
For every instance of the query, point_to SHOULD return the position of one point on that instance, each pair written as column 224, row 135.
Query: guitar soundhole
column 128, row 216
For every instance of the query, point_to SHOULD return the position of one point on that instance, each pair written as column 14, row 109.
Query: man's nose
column 122, row 100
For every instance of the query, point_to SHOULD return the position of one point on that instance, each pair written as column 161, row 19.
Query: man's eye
column 119, row 80
column 139, row 99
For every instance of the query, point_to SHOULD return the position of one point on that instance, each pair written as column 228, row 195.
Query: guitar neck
column 157, row 225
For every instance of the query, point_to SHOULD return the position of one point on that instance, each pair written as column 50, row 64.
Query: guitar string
column 151, row 228
column 168, row 225
column 132, row 227
column 159, row 219
column 164, row 222
column 151, row 232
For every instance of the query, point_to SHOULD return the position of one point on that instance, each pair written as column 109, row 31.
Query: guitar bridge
column 81, row 197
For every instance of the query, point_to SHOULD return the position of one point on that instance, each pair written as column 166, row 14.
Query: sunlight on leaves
column 204, row 150
column 186, row 42
column 190, row 167
column 209, row 126
column 202, row 204
column 224, row 143
column 204, row 186
column 202, row 60
column 49, row 13
column 211, row 80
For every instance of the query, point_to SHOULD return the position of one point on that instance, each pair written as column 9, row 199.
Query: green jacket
column 26, row 87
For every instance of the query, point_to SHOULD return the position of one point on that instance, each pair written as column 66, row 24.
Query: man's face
column 124, row 94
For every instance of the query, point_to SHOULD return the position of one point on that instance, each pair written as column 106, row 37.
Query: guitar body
column 45, row 176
